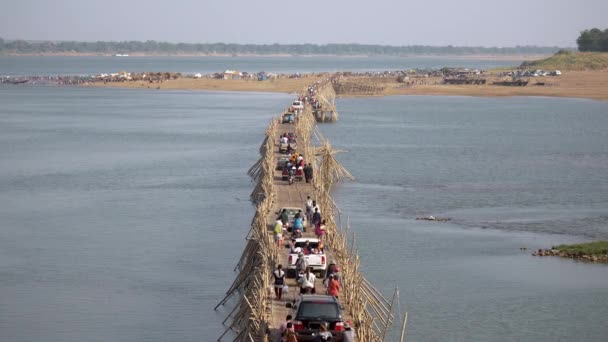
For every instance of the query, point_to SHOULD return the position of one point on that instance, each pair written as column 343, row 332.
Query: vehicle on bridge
column 298, row 106
column 316, row 258
column 288, row 118
column 310, row 312
column 283, row 147
column 281, row 162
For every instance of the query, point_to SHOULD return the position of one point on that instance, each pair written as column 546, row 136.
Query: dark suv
column 311, row 311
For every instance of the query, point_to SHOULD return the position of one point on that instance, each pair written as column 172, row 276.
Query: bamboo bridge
column 256, row 315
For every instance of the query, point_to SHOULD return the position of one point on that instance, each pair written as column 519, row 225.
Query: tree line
column 154, row 47
column 593, row 40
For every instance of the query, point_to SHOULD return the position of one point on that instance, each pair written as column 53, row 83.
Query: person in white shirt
column 307, row 282
column 309, row 210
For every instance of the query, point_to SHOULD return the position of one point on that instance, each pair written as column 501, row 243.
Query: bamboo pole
column 401, row 339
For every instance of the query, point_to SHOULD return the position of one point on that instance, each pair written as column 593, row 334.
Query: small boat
column 121, row 55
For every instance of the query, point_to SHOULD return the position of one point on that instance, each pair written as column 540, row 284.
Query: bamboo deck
column 256, row 315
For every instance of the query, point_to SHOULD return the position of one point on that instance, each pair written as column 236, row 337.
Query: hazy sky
column 404, row 22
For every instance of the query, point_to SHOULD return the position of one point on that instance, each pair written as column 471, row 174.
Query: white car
column 318, row 261
column 298, row 106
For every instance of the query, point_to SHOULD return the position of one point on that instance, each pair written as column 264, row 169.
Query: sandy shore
column 578, row 84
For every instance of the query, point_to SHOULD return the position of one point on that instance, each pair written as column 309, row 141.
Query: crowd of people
column 311, row 96
column 296, row 167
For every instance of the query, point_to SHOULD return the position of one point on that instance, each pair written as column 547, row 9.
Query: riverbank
column 591, row 251
column 577, row 84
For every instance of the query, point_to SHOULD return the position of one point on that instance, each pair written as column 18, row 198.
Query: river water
column 124, row 211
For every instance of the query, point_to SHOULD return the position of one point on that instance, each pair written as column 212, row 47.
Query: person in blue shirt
column 298, row 222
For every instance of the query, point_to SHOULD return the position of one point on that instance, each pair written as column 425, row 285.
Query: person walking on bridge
column 284, row 217
column 279, row 281
column 278, row 233
column 307, row 282
column 301, row 263
column 316, row 217
column 309, row 211
column 298, row 223
column 308, row 173
column 333, row 286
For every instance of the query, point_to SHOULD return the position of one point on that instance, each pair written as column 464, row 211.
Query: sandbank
column 576, row 84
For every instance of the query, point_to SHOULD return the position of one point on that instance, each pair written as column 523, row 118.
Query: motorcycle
column 292, row 175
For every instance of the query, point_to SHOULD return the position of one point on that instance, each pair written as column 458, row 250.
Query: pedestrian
column 308, row 172
column 284, row 217
column 285, row 326
column 320, row 230
column 333, row 286
column 301, row 263
column 298, row 222
column 279, row 281
column 331, row 269
column 316, row 217
column 291, row 334
column 315, row 206
column 308, row 205
column 278, row 233
column 307, row 282
column 349, row 332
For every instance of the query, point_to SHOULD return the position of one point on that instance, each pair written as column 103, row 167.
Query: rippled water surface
column 510, row 173
column 123, row 212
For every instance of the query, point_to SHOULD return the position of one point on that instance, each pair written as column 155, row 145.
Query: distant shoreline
column 137, row 54
column 574, row 84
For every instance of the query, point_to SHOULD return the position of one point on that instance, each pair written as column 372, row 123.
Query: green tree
column 590, row 40
column 604, row 41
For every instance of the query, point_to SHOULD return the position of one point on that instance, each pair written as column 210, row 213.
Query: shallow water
column 510, row 173
column 123, row 212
